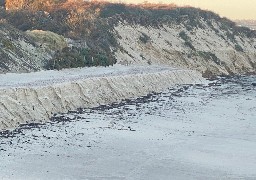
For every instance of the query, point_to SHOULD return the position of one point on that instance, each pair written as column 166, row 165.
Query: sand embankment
column 35, row 97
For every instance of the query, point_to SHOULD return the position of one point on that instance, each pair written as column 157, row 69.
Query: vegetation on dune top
column 52, row 40
column 80, row 19
column 78, row 57
column 93, row 22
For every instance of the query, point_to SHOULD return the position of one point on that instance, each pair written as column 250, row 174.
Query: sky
column 232, row 9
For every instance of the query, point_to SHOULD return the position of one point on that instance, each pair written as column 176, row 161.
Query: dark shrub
column 144, row 38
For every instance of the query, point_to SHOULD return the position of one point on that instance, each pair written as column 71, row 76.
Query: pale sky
column 233, row 9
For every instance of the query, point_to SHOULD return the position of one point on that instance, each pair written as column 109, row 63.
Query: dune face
column 201, row 49
column 182, row 37
column 40, row 96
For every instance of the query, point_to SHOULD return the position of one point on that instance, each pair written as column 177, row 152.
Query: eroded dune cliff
column 37, row 99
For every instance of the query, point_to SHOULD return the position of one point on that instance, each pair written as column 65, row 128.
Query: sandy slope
column 167, row 47
column 35, row 97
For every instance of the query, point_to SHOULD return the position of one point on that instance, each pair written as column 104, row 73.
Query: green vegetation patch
column 184, row 36
column 8, row 44
column 187, row 40
column 238, row 48
column 209, row 56
column 144, row 38
column 190, row 45
column 78, row 57
column 52, row 40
